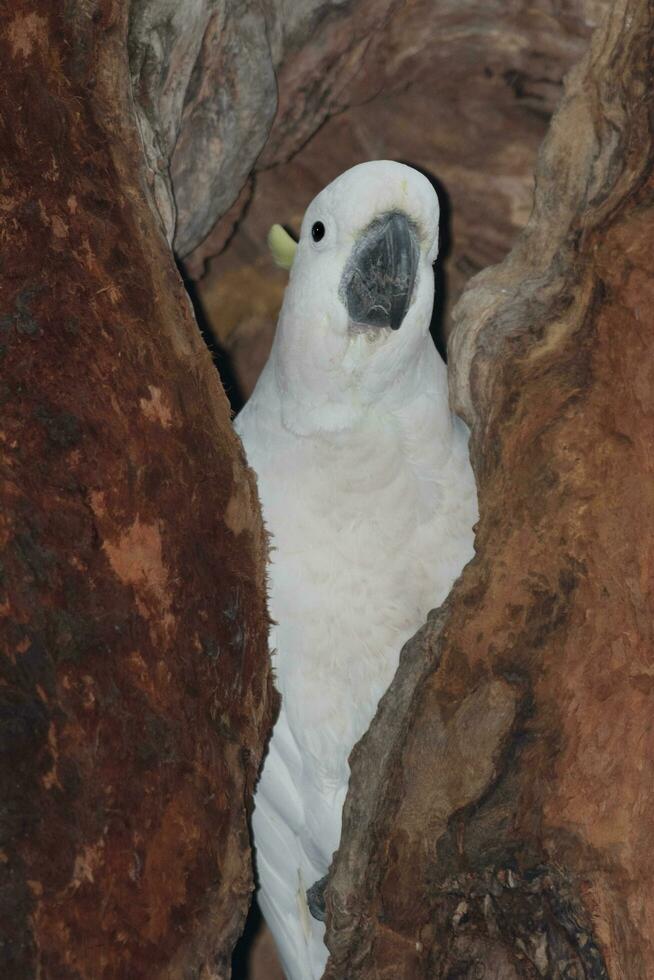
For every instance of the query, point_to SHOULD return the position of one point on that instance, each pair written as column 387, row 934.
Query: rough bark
column 498, row 822
column 135, row 690
column 206, row 76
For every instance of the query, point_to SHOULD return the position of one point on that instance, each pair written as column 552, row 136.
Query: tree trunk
column 499, row 807
column 498, row 822
column 135, row 690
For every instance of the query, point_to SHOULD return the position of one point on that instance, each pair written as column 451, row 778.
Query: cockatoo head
column 357, row 308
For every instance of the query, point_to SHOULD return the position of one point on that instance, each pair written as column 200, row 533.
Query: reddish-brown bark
column 135, row 688
column 499, row 816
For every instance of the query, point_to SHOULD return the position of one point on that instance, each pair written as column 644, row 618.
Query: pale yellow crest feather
column 282, row 246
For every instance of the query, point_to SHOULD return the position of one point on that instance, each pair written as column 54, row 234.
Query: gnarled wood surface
column 499, row 816
column 499, row 813
column 212, row 77
column 135, row 689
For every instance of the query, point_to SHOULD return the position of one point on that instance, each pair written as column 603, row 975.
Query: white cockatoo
column 367, row 490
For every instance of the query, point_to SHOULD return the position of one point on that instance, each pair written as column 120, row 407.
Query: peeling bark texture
column 498, row 822
column 135, row 690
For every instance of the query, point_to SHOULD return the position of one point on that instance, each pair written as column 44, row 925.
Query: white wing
column 283, row 867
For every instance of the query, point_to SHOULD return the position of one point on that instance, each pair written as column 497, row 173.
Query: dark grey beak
column 378, row 281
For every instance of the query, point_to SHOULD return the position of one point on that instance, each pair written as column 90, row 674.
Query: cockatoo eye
column 317, row 231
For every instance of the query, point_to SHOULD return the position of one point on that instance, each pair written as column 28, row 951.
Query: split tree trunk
column 499, row 814
column 135, row 689
column 499, row 819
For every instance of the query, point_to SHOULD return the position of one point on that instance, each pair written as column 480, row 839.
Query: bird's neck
column 342, row 401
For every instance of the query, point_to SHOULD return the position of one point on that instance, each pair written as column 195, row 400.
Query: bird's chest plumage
column 361, row 542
